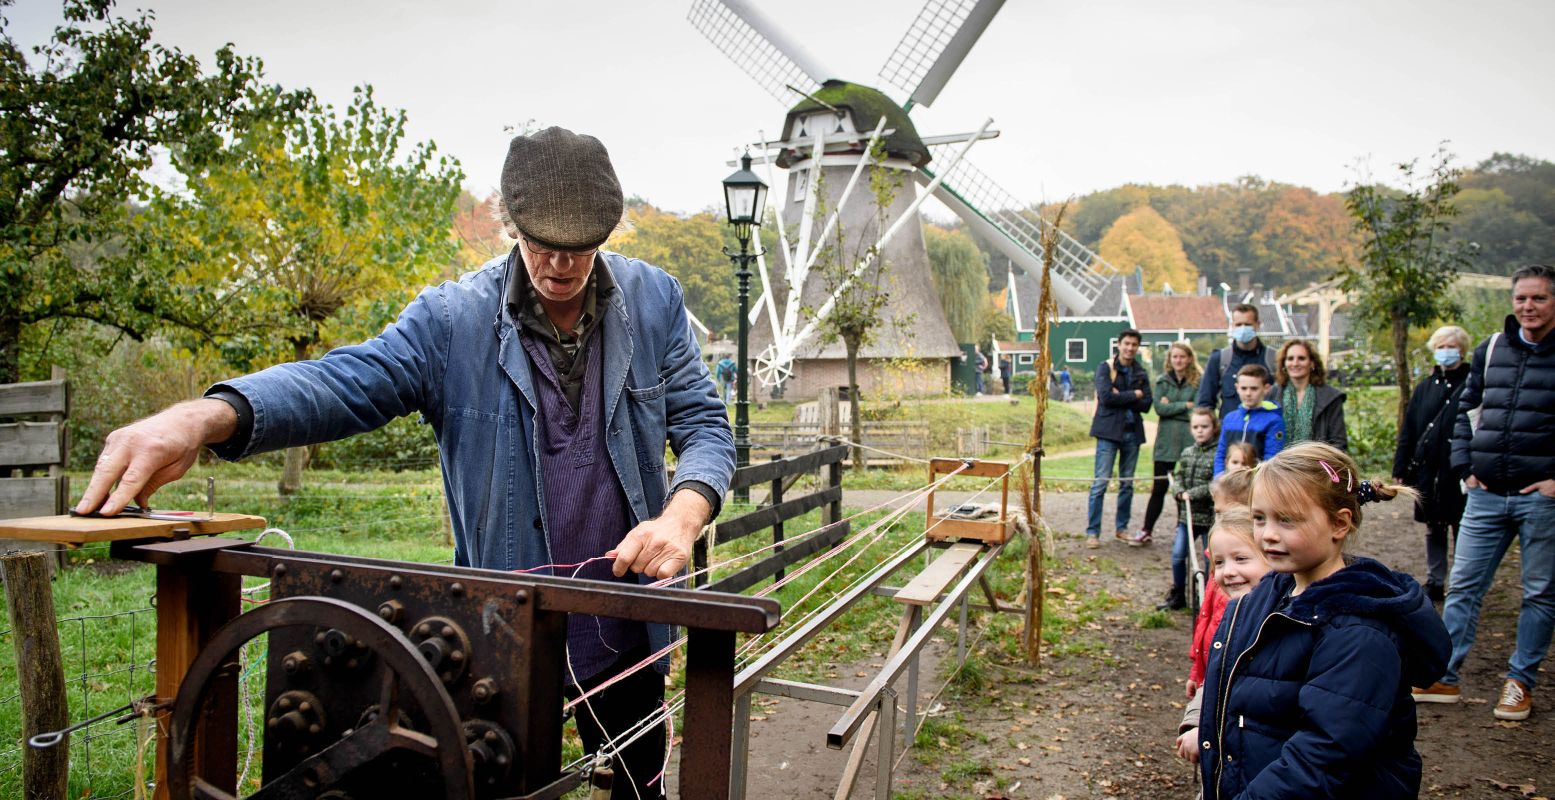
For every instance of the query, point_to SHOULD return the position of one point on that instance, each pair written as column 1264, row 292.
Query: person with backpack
column 1218, row 388
column 727, row 372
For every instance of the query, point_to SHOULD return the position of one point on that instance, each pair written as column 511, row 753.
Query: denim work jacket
column 455, row 357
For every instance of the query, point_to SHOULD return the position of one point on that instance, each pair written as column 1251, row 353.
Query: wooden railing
column 780, row 474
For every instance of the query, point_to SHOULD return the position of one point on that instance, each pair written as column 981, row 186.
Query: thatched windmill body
column 827, row 136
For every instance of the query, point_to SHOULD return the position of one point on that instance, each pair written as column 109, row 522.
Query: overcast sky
column 1087, row 95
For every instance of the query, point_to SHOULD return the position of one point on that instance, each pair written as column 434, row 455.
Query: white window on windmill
column 1074, row 350
column 827, row 123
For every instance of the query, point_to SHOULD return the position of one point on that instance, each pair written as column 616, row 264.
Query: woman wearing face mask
column 1425, row 450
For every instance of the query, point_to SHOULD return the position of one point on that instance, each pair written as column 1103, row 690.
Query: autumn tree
column 960, row 272
column 1408, row 260
column 1143, row 238
column 477, row 232
column 306, row 233
column 689, row 248
column 82, row 117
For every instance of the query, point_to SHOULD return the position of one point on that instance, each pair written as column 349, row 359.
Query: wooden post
column 829, row 416
column 774, row 500
column 192, row 603
column 39, row 671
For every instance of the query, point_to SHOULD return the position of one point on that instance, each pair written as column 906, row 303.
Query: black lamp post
column 745, row 196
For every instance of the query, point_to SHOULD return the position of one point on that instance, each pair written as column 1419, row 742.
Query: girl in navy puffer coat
column 1307, row 692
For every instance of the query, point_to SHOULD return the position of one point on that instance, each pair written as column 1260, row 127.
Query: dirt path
column 1098, row 719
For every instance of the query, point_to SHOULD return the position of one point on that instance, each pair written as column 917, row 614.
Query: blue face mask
column 1242, row 334
column 1447, row 356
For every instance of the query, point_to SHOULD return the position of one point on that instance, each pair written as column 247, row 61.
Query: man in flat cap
column 552, row 377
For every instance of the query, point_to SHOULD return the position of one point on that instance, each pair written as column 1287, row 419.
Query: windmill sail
column 1080, row 274
column 935, row 45
column 759, row 47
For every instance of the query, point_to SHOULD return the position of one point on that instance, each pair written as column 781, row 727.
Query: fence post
column 40, row 673
column 773, row 501
column 833, row 513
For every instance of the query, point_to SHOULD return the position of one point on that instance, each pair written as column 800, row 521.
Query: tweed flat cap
column 561, row 190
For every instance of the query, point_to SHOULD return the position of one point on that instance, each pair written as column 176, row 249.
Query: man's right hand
column 144, row 456
column 1473, row 482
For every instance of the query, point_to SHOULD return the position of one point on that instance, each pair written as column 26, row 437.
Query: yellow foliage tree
column 1144, row 238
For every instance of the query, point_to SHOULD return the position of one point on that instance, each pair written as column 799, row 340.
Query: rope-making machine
column 388, row 678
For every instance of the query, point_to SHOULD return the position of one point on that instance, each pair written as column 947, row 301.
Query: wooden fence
column 780, row 474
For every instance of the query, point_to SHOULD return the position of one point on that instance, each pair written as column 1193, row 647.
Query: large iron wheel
column 404, row 669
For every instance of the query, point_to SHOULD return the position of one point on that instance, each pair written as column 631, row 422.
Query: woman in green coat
column 1175, row 390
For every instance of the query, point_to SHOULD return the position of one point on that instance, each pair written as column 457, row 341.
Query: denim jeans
column 1180, row 547
column 1490, row 522
column 1126, row 453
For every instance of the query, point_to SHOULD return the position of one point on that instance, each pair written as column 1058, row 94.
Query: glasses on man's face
column 546, row 252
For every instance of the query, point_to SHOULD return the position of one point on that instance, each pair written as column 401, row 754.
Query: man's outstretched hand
column 661, row 547
column 142, row 457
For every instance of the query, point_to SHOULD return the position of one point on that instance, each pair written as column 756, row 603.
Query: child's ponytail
column 1315, row 472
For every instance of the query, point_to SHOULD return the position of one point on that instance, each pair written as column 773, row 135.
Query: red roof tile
column 1177, row 312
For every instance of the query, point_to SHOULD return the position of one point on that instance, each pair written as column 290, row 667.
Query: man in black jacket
column 1122, row 394
column 1219, row 382
column 1507, row 461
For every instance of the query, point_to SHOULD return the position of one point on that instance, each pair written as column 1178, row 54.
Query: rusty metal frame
column 211, row 568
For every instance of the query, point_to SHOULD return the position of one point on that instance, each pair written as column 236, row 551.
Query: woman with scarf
column 1314, row 411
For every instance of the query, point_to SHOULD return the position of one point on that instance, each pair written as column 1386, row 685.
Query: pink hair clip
column 1333, row 475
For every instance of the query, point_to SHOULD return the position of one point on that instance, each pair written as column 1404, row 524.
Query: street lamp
column 745, row 196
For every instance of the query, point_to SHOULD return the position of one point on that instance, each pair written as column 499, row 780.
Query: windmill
column 828, row 134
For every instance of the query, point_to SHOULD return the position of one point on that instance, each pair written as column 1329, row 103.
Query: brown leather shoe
column 1515, row 701
column 1437, row 693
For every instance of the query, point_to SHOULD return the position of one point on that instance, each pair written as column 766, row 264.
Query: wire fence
column 110, row 662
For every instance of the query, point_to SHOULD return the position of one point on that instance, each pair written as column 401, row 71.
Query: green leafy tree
column 960, row 272
column 1507, row 209
column 993, row 323
column 306, row 233
column 82, row 118
column 1408, row 260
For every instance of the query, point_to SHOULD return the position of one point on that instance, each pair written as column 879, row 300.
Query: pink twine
column 575, row 567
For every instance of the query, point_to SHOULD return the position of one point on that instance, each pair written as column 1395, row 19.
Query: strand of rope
column 587, row 705
column 629, row 736
column 911, row 495
column 839, row 547
column 878, row 530
column 264, row 587
column 669, row 741
column 862, row 446
column 824, row 581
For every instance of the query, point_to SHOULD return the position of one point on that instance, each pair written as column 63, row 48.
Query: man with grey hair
column 553, row 378
column 1507, row 462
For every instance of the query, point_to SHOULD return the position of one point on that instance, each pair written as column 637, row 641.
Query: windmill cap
column 561, row 190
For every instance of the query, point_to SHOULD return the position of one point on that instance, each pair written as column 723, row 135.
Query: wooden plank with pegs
column 76, row 531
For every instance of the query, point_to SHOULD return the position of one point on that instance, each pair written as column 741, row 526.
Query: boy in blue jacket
column 1257, row 421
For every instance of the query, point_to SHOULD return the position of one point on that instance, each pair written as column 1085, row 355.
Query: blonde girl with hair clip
column 1236, row 566
column 1307, row 693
